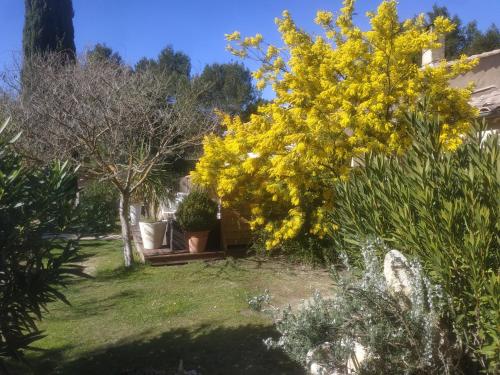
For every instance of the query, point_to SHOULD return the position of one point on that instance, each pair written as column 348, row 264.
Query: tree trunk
column 125, row 223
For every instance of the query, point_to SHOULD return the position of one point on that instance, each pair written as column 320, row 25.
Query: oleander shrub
column 443, row 208
column 34, row 202
column 397, row 340
column 197, row 212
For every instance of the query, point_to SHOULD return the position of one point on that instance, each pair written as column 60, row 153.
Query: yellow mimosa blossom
column 235, row 35
column 338, row 96
column 323, row 18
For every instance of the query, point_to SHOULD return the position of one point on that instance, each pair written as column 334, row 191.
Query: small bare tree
column 118, row 124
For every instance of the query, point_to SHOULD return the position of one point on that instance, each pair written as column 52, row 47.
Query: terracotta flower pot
column 197, row 241
column 152, row 234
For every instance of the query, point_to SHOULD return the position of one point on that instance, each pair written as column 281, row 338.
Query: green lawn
column 154, row 317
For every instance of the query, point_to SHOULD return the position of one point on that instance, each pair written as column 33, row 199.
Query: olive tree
column 119, row 125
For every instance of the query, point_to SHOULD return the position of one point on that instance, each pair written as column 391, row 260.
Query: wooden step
column 168, row 262
column 181, row 257
column 167, row 256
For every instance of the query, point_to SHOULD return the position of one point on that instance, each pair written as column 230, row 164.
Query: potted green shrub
column 197, row 215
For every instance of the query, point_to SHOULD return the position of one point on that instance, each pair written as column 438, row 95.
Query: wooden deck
column 165, row 256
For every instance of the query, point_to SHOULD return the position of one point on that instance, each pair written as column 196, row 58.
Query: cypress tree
column 48, row 27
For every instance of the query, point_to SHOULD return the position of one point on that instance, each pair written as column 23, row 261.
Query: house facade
column 486, row 79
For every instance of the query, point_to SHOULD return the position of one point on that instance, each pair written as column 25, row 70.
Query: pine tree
column 102, row 53
column 173, row 67
column 456, row 40
column 48, row 27
column 228, row 87
column 483, row 41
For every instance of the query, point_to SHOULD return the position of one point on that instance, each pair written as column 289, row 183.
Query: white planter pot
column 135, row 213
column 152, row 234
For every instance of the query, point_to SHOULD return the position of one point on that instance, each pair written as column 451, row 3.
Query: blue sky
column 137, row 28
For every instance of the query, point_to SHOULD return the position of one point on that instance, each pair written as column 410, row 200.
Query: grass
column 150, row 317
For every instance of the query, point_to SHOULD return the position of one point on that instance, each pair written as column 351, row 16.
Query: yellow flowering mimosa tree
column 338, row 96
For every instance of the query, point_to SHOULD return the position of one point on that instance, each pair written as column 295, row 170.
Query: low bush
column 363, row 312
column 442, row 208
column 257, row 302
column 197, row 212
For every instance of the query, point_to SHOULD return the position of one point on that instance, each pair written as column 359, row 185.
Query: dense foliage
column 483, row 41
column 364, row 312
column 33, row 204
column 171, row 67
column 170, row 64
column 48, row 27
column 443, row 208
column 338, row 96
column 101, row 52
column 98, row 208
column 197, row 212
column 229, row 87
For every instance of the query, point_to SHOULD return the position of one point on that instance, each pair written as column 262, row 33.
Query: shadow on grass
column 94, row 244
column 96, row 306
column 37, row 364
column 220, row 350
column 222, row 269
column 121, row 273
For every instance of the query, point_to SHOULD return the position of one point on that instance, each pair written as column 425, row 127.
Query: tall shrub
column 33, row 265
column 338, row 96
column 443, row 208
column 48, row 27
